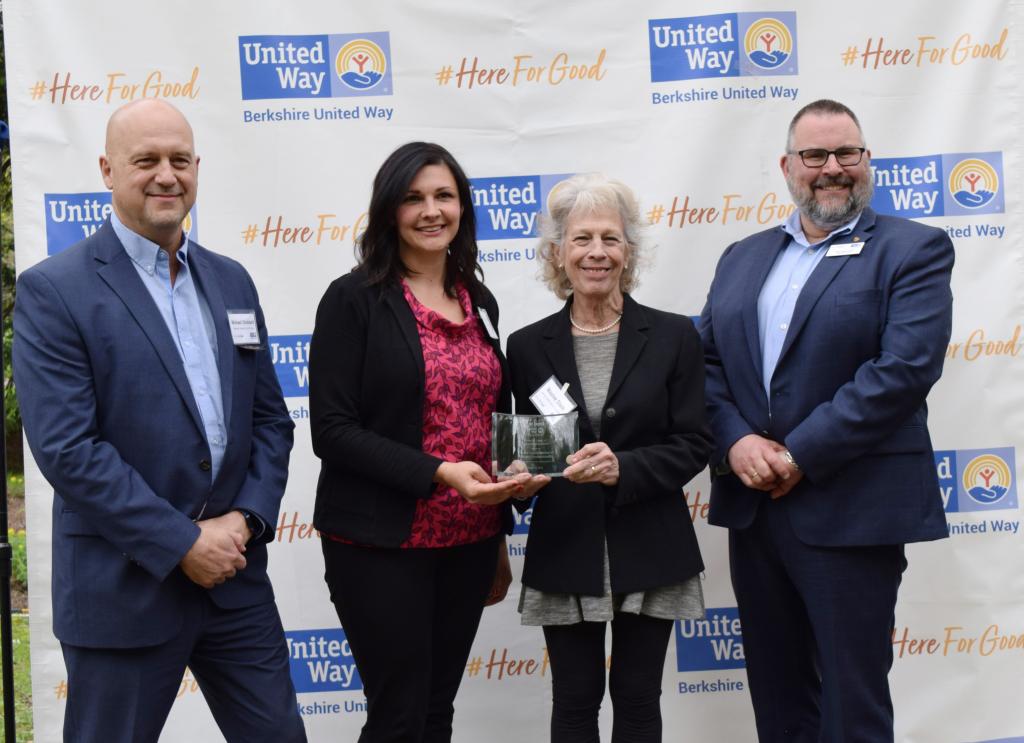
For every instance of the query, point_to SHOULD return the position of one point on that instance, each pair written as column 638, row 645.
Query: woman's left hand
column 593, row 463
column 502, row 576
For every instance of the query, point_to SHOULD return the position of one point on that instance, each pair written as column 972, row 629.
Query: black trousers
column 410, row 616
column 576, row 652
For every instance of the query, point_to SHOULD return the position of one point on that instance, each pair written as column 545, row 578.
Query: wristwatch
column 254, row 522
column 789, row 459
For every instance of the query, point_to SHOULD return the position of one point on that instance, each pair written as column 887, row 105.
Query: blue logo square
column 290, row 354
column 908, row 186
column 315, row 66
column 321, row 660
column 714, row 643
column 71, row 217
column 693, row 48
column 974, row 183
column 987, row 479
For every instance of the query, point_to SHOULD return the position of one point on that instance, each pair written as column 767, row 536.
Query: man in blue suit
column 822, row 339
column 151, row 406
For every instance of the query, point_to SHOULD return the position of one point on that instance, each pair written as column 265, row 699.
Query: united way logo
column 321, row 660
column 973, row 183
column 290, row 354
column 315, row 66
column 71, row 217
column 959, row 184
column 723, row 45
column 361, row 64
column 987, row 479
column 714, row 643
column 768, row 43
column 507, row 207
column 977, row 479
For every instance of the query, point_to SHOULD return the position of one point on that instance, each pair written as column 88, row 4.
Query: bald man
column 151, row 406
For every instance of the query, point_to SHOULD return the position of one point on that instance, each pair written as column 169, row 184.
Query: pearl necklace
column 595, row 331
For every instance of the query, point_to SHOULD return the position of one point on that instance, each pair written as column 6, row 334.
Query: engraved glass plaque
column 537, row 444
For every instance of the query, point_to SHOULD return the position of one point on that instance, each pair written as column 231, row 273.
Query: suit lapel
column 395, row 299
column 632, row 339
column 207, row 283
column 118, row 272
column 761, row 263
column 823, row 275
column 557, row 347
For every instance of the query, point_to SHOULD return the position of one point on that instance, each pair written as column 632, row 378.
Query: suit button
column 204, row 465
column 610, row 412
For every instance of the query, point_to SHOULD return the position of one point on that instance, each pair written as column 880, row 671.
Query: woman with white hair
column 611, row 541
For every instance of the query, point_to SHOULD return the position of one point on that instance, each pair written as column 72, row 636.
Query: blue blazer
column 865, row 345
column 112, row 423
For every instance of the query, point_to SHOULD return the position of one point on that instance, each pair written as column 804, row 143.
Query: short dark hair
column 377, row 250
column 821, row 106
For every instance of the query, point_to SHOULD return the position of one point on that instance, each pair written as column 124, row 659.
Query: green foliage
column 12, row 427
column 19, row 568
column 22, row 679
column 12, row 413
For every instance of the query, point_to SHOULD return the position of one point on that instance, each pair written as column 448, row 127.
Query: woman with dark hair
column 405, row 370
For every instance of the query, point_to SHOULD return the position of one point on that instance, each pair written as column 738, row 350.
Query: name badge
column 488, row 325
column 244, row 332
column 551, row 398
column 840, row 249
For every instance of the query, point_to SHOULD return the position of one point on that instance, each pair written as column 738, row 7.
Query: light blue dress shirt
column 188, row 319
column 782, row 287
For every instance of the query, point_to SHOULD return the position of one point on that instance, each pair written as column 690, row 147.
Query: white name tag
column 836, row 249
column 551, row 398
column 244, row 332
column 488, row 325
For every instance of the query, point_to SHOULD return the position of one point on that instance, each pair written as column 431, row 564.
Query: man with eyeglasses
column 822, row 339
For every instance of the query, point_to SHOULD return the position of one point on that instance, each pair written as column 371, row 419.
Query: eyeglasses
column 817, row 157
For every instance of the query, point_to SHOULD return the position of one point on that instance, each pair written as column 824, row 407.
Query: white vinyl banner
column 295, row 105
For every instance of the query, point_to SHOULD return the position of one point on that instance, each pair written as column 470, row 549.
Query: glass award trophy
column 537, row 444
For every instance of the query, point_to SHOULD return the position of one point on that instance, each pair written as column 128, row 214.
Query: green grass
column 19, row 562
column 19, row 628
column 22, row 680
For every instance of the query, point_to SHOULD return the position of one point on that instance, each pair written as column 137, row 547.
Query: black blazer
column 654, row 420
column 366, row 387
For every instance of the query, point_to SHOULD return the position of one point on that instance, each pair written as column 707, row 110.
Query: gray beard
column 829, row 218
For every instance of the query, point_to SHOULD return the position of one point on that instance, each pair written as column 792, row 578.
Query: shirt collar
column 795, row 229
column 144, row 252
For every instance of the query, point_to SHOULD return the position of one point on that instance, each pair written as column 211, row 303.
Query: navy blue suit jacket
column 865, row 345
column 112, row 423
